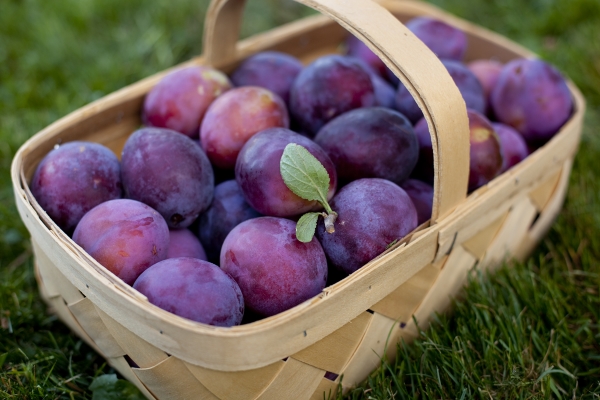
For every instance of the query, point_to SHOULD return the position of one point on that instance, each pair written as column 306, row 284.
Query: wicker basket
column 349, row 326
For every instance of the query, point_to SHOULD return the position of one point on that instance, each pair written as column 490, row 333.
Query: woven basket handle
column 417, row 67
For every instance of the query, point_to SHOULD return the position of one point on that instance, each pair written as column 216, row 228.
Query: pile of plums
column 196, row 215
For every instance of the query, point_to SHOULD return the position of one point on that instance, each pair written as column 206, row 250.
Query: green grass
column 529, row 331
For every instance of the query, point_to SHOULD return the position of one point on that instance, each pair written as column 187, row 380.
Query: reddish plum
column 532, row 97
column 485, row 151
column 183, row 243
column 444, row 40
column 328, row 87
column 181, row 98
column 274, row 270
column 74, row 178
column 372, row 213
column 235, row 117
column 421, row 195
column 125, row 236
column 193, row 289
column 169, row 172
column 269, row 69
column 352, row 139
column 514, row 148
column 487, row 71
column 227, row 210
column 257, row 171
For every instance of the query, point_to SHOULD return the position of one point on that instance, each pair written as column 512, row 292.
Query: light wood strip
column 326, row 390
column 541, row 194
column 55, row 283
column 171, row 380
column 87, row 316
column 478, row 244
column 121, row 365
column 60, row 308
column 334, row 351
column 296, row 381
column 240, row 385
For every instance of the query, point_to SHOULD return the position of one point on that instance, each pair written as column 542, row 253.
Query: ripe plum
column 328, row 87
column 485, row 151
column 274, row 270
column 444, row 40
column 356, row 48
column 372, row 213
column 183, row 243
column 193, row 289
column 170, row 173
column 235, row 117
column 257, row 171
column 487, row 71
column 421, row 195
column 227, row 210
column 74, row 178
column 269, row 69
column 424, row 169
column 372, row 142
column 532, row 97
column 125, row 236
column 514, row 148
column 180, row 99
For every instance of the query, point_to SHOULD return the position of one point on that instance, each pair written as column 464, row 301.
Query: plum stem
column 329, row 221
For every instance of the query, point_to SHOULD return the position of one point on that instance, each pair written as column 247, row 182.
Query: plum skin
column 169, row 172
column 193, row 289
column 514, row 148
column 444, row 40
column 485, row 151
column 274, row 270
column 421, row 195
column 74, row 178
column 258, row 173
column 372, row 213
column 125, row 236
column 352, row 139
column 183, row 243
column 227, row 210
column 424, row 169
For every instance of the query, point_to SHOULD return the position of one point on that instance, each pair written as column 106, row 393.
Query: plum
column 485, row 151
column 74, row 178
column 326, row 88
column 533, row 97
column 372, row 142
column 385, row 94
column 421, row 195
column 487, row 71
column 227, row 210
column 444, row 40
column 125, row 236
column 424, row 169
column 271, row 70
column 274, row 270
column 234, row 117
column 469, row 86
column 372, row 213
column 356, row 48
column 180, row 99
column 169, row 172
column 183, row 243
column 514, row 148
column 257, row 171
column 193, row 289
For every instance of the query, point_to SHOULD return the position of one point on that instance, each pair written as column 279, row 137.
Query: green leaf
column 306, row 226
column 108, row 387
column 304, row 174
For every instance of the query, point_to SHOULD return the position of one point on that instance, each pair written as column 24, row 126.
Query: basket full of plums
column 269, row 219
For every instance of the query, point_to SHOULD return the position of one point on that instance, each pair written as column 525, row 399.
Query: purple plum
column 514, row 148
column 485, row 151
column 421, row 195
column 183, row 243
column 424, row 169
column 444, row 40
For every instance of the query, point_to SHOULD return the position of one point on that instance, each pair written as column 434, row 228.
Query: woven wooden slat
column 121, row 365
column 327, row 389
column 478, row 244
column 296, row 379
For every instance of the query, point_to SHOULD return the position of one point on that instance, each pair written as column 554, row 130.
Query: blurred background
column 544, row 314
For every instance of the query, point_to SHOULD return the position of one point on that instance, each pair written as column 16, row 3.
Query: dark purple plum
column 424, row 170
column 258, row 173
column 485, row 151
column 193, row 289
column 467, row 83
column 74, row 178
column 514, row 147
column 228, row 209
column 421, row 194
column 326, row 88
column 444, row 40
column 372, row 142
column 274, row 270
column 385, row 94
column 532, row 97
column 235, row 117
column 125, row 236
column 272, row 70
column 372, row 213
column 181, row 98
column 356, row 48
column 487, row 71
column 183, row 243
column 169, row 172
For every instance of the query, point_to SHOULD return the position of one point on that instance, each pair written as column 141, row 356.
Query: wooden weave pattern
column 352, row 351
